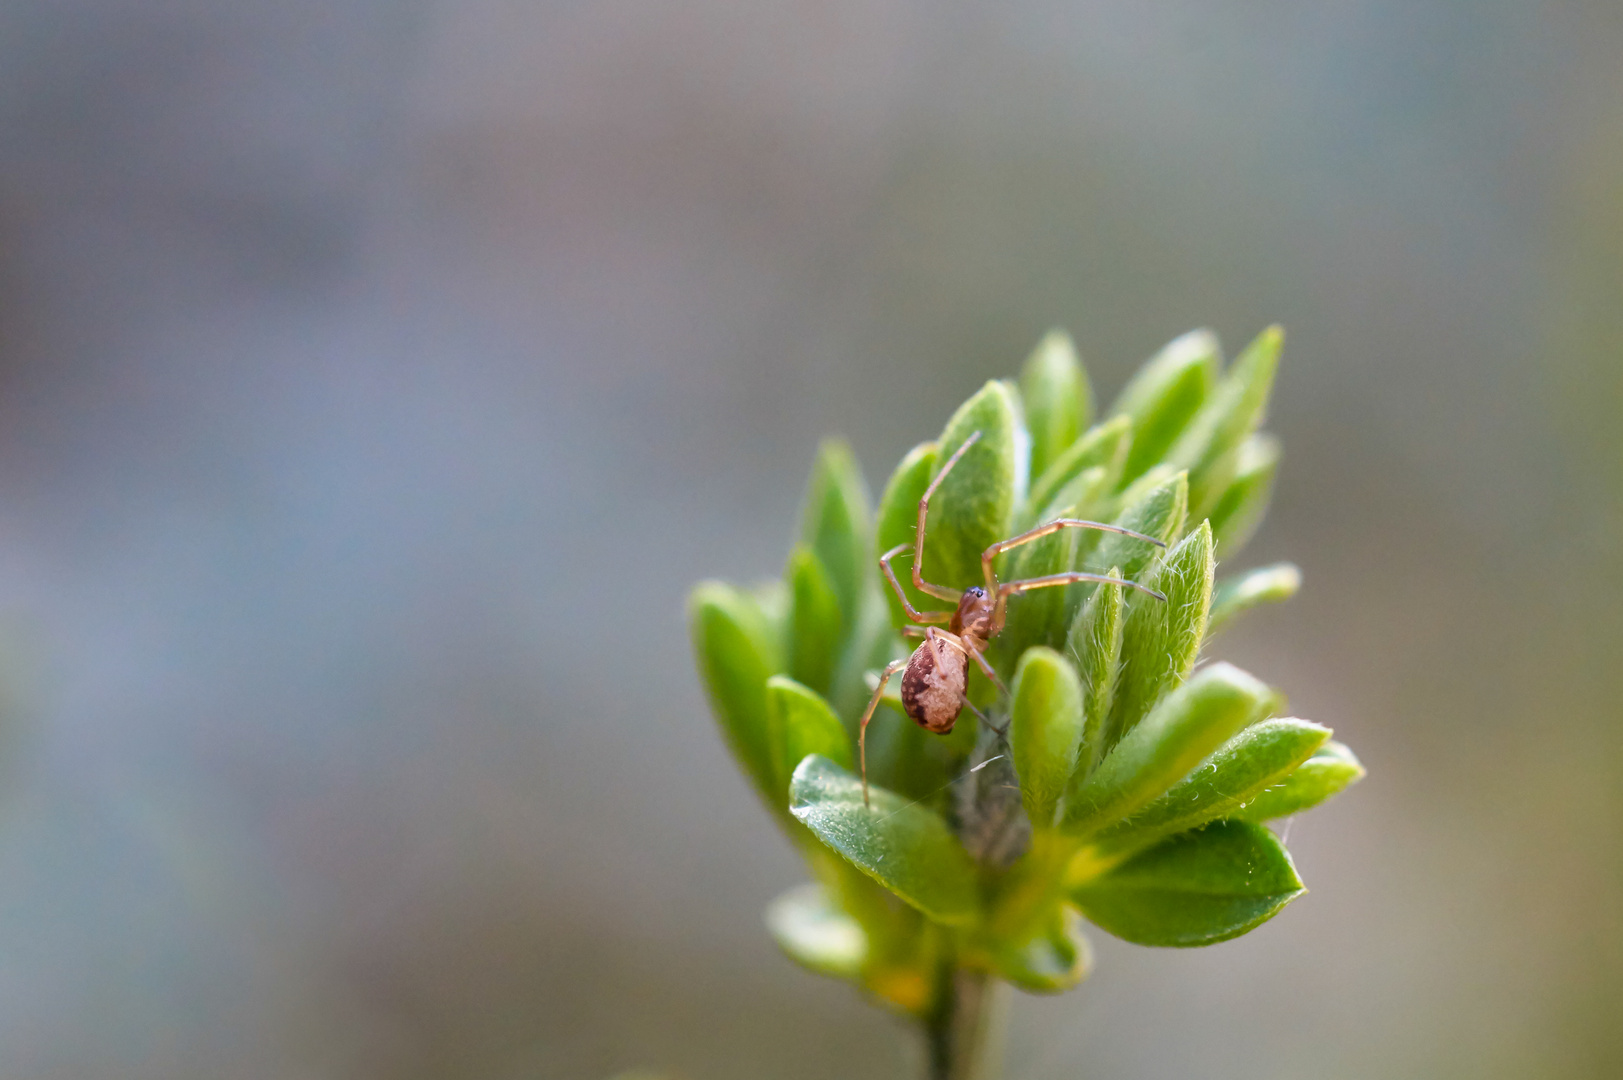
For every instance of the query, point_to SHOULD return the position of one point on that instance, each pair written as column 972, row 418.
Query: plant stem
column 965, row 1036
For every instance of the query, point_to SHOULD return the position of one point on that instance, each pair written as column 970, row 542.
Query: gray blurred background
column 375, row 379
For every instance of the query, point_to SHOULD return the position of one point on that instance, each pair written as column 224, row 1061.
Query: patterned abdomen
column 933, row 686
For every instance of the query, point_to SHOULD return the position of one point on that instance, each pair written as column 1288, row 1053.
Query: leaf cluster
column 1144, row 779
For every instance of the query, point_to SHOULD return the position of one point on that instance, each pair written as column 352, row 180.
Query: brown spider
column 938, row 671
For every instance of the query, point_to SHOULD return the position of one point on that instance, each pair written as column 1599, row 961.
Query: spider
column 938, row 671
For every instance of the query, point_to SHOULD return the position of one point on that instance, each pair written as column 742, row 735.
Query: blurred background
column 376, row 379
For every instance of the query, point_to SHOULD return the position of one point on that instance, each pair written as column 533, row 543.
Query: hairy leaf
column 802, row 723
column 898, row 521
column 1104, row 445
column 1265, row 585
column 1165, row 394
column 1045, row 730
column 1329, row 771
column 1209, row 447
column 1239, row 510
column 1177, row 735
column 816, row 934
column 1094, row 643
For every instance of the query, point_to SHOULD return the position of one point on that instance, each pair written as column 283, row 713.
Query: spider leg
column 1014, row 588
column 862, row 731
column 940, row 592
column 912, row 612
column 1046, row 530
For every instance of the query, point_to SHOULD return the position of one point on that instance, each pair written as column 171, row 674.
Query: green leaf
column 1197, row 888
column 1326, row 773
column 802, row 723
column 736, row 654
column 1177, row 735
column 1104, row 445
column 1095, row 645
column 816, row 934
column 1045, row 730
column 1058, row 401
column 872, row 645
column 1053, row 960
column 906, row 848
column 1209, row 447
column 974, row 505
column 1256, row 758
column 898, row 521
column 1159, row 512
column 1239, row 510
column 1165, row 394
column 1041, row 616
column 1161, row 639
column 835, row 522
column 1265, row 585
column 815, row 623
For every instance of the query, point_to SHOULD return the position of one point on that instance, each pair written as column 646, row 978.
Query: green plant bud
column 802, row 723
column 1165, row 394
column 907, row 848
column 1103, row 445
column 1209, row 447
column 815, row 622
column 817, row 934
column 1045, row 730
column 1255, row 759
column 736, row 653
column 836, row 522
column 1094, row 644
column 1239, row 510
column 1177, row 735
column 974, row 505
column 897, row 521
column 1265, row 585
column 1329, row 771
column 1058, row 401
column 1196, row 888
column 1053, row 960
column 1161, row 639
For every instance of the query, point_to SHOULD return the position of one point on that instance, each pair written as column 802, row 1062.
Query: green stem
column 965, row 1035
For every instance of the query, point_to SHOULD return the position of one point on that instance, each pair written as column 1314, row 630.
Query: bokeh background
column 376, row 378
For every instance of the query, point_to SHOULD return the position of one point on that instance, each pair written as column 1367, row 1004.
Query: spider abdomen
column 933, row 686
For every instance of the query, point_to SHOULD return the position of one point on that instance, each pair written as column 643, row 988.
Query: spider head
column 974, row 617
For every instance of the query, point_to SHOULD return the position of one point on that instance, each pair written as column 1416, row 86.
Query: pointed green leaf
column 1196, row 888
column 974, row 505
column 1058, row 401
column 835, row 523
column 1045, row 730
column 1094, row 643
column 1177, row 735
column 802, row 723
column 1239, row 510
column 872, row 644
column 1161, row 639
column 1209, row 447
column 1158, row 512
column 816, row 934
column 1041, row 616
column 897, row 522
column 1264, row 585
column 736, row 654
column 906, row 848
column 1258, row 757
column 815, row 623
column 1055, row 959
column 1104, row 444
column 1326, row 773
column 1165, row 394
